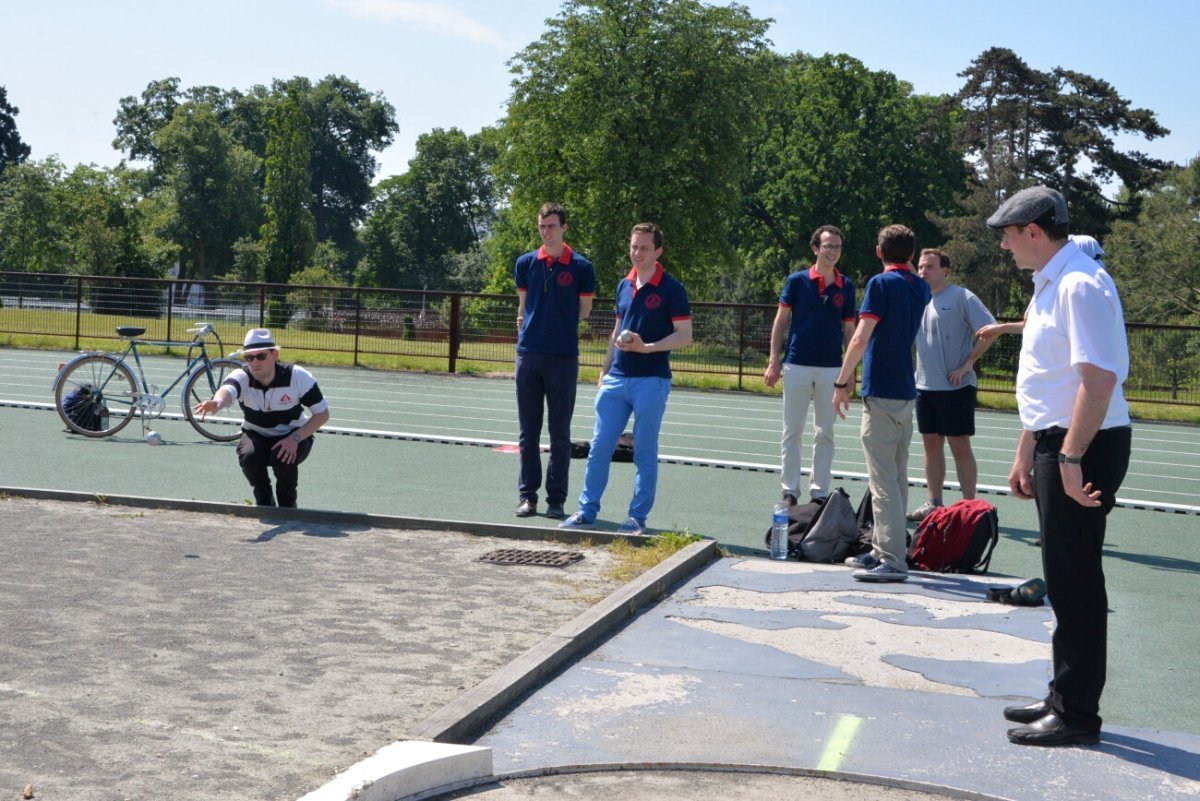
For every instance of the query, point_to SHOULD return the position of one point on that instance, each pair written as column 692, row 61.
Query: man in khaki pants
column 888, row 319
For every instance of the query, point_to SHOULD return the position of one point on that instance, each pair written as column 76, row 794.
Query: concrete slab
column 796, row 666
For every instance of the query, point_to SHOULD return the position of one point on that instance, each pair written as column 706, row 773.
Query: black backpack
column 82, row 408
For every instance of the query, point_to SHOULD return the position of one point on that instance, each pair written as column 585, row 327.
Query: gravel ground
column 167, row 654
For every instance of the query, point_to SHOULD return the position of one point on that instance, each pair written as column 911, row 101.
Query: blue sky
column 442, row 63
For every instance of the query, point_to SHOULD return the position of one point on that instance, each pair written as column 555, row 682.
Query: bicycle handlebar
column 201, row 329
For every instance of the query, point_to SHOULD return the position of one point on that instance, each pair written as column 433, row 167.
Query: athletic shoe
column 790, row 498
column 881, row 572
column 577, row 520
column 630, row 526
column 923, row 511
column 864, row 561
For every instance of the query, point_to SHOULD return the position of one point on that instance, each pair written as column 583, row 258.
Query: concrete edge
column 408, row 770
column 359, row 519
column 465, row 718
column 735, row 767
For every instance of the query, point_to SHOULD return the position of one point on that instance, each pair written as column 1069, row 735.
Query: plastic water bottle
column 779, row 530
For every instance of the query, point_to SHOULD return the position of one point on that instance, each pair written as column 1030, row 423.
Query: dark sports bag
column 956, row 539
column 821, row 530
column 803, row 516
column 81, row 407
column 622, row 453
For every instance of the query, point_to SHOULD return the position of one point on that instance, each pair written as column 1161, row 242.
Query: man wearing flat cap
column 1073, row 452
column 275, row 433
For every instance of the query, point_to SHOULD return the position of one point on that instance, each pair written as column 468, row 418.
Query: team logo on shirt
column 839, row 300
column 565, row 279
column 286, row 398
column 653, row 301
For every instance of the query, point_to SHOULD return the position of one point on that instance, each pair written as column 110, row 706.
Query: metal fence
column 375, row 327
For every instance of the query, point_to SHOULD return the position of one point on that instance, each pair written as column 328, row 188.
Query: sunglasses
column 256, row 357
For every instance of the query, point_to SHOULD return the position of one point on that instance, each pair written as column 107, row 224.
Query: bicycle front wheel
column 202, row 384
column 96, row 395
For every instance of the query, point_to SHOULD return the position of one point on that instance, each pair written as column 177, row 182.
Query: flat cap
column 1028, row 205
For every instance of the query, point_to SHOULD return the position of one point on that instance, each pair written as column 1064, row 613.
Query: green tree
column 1166, row 236
column 288, row 234
column 12, row 149
column 632, row 110
column 348, row 125
column 210, row 185
column 847, row 146
column 30, row 227
column 1023, row 126
column 442, row 207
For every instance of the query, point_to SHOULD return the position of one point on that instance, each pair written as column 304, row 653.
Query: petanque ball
column 153, row 438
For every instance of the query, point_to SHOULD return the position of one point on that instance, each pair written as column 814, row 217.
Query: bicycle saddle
column 129, row 331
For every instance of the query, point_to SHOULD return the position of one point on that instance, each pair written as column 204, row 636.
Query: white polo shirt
column 1074, row 318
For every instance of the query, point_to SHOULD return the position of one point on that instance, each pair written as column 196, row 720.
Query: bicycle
column 97, row 395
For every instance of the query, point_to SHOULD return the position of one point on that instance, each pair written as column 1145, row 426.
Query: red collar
column 654, row 281
column 815, row 275
column 889, row 267
column 563, row 258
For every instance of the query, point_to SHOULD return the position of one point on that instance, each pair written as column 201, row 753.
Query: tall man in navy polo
column 893, row 303
column 555, row 286
column 653, row 318
column 816, row 308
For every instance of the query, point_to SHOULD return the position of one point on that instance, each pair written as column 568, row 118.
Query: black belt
column 1052, row 431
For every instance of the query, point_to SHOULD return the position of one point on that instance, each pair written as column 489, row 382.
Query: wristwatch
column 836, row 385
column 295, row 435
column 1064, row 459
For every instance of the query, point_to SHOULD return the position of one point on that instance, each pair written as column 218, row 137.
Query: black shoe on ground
column 526, row 508
column 1028, row 713
column 555, row 511
column 1052, row 730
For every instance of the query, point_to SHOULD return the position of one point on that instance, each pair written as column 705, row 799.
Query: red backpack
column 956, row 539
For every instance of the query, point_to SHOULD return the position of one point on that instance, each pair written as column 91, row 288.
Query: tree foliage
column 847, row 146
column 1155, row 258
column 633, row 110
column 288, row 235
column 440, row 209
column 1022, row 126
column 210, row 184
column 12, row 149
column 31, row 236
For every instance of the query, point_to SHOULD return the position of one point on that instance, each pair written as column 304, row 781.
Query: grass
column 54, row 330
column 630, row 561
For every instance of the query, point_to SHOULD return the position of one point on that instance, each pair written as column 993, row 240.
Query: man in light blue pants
column 653, row 318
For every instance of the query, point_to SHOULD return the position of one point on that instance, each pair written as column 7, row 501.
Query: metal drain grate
column 516, row 556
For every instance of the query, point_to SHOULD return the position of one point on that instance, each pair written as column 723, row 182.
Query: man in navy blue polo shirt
column 653, row 318
column 816, row 308
column 893, row 303
column 555, row 286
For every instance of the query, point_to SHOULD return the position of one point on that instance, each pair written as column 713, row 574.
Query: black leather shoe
column 527, row 508
column 1051, row 730
column 555, row 511
column 1028, row 713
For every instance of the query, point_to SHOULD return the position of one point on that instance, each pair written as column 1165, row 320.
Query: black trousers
column 255, row 457
column 1072, row 545
column 550, row 381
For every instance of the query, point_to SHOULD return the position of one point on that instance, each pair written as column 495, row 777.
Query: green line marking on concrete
column 839, row 743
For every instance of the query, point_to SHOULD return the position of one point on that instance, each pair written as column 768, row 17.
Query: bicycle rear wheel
column 95, row 395
column 225, row 425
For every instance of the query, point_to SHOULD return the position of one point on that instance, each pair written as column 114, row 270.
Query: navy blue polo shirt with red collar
column 818, row 312
column 651, row 312
column 552, row 289
column 896, row 300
